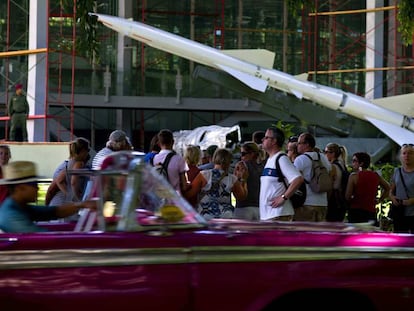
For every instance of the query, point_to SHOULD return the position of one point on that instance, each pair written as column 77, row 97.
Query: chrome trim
column 66, row 258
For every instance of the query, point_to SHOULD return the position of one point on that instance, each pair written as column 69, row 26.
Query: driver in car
column 16, row 212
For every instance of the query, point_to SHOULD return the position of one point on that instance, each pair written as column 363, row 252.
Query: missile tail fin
column 398, row 134
column 251, row 81
column 263, row 58
column 302, row 77
column 403, row 104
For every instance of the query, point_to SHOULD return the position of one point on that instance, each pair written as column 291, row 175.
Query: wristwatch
column 284, row 197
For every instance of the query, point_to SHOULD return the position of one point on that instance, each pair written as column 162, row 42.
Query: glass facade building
column 326, row 39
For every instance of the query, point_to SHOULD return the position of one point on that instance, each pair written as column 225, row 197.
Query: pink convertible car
column 147, row 249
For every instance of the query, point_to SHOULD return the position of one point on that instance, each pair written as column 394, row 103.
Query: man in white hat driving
column 16, row 214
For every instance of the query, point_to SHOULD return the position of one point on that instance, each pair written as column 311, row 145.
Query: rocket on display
column 254, row 68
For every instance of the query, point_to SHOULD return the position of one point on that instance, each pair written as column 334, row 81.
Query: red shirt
column 365, row 191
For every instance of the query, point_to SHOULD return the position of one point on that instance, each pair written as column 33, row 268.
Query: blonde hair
column 223, row 157
column 192, row 154
column 339, row 151
column 77, row 146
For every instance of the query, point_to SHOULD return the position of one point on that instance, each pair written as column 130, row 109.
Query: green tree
column 87, row 44
column 405, row 18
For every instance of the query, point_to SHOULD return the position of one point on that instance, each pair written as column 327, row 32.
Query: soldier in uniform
column 18, row 111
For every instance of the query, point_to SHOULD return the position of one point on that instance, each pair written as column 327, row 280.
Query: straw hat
column 19, row 172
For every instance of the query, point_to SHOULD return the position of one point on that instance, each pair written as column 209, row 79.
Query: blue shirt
column 149, row 156
column 14, row 218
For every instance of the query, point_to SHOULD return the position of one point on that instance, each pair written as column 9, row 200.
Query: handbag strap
column 403, row 182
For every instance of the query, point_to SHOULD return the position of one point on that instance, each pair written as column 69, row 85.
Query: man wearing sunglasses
column 316, row 204
column 274, row 195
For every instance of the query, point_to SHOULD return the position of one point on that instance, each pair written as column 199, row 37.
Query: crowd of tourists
column 264, row 185
column 269, row 178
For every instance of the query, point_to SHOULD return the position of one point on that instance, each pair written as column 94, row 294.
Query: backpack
column 162, row 168
column 320, row 181
column 299, row 197
column 345, row 175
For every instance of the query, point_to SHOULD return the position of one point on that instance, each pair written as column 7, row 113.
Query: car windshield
column 134, row 196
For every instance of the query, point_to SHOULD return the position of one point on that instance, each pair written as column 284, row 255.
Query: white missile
column 259, row 75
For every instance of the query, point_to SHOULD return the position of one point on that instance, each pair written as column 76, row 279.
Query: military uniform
column 18, row 111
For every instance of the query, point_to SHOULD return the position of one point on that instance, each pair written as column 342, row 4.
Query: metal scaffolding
column 329, row 41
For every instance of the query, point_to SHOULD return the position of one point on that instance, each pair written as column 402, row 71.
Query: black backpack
column 162, row 168
column 299, row 197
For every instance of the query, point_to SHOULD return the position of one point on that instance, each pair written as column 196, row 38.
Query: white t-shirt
column 176, row 166
column 270, row 187
column 304, row 165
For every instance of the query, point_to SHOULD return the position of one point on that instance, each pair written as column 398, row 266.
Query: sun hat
column 118, row 136
column 19, row 172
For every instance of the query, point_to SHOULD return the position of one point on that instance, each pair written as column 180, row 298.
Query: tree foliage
column 295, row 7
column 405, row 18
column 87, row 44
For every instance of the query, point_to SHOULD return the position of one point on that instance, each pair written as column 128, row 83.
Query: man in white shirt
column 177, row 167
column 274, row 201
column 316, row 204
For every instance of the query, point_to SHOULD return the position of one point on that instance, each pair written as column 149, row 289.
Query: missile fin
column 302, row 77
column 403, row 104
column 262, row 57
column 251, row 81
column 298, row 94
column 398, row 134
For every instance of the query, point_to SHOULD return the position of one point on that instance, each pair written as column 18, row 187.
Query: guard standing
column 18, row 111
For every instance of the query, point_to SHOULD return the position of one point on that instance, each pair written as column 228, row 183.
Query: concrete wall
column 47, row 156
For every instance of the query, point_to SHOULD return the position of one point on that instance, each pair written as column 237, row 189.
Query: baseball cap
column 117, row 136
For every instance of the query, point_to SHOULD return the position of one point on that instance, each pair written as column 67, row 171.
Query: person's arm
column 51, row 192
column 75, row 180
column 336, row 176
column 350, row 187
column 184, row 183
column 293, row 186
column 26, row 104
column 197, row 184
column 10, row 108
column 240, row 189
column 61, row 181
column 69, row 209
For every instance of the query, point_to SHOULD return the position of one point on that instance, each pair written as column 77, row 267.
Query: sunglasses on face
column 243, row 153
column 327, row 151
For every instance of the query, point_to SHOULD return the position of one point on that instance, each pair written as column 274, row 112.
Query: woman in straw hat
column 16, row 214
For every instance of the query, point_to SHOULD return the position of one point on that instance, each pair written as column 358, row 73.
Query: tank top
column 365, row 191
